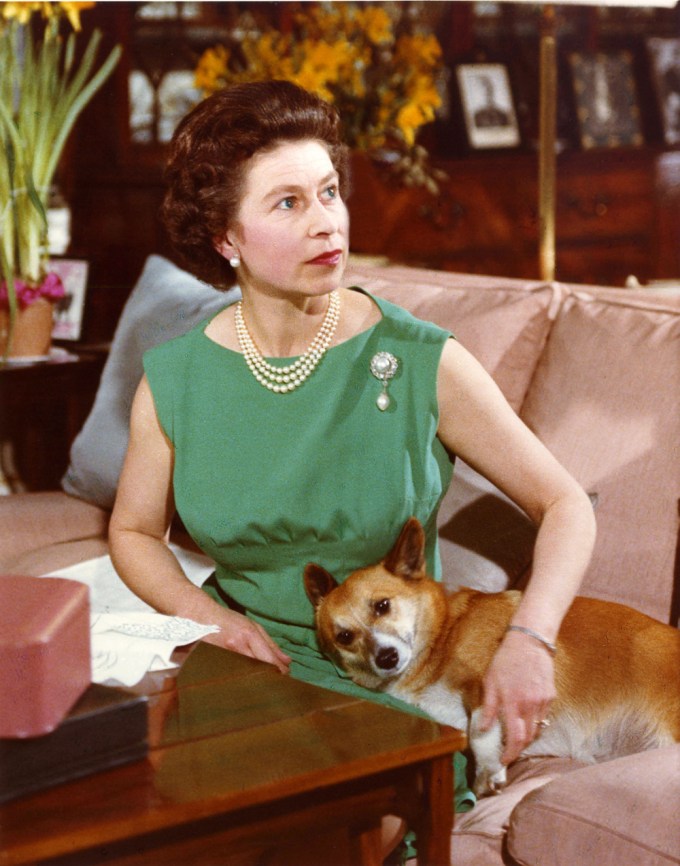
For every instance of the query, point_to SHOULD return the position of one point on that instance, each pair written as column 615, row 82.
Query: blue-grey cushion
column 165, row 302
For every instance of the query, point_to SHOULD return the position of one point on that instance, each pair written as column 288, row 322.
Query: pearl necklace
column 282, row 380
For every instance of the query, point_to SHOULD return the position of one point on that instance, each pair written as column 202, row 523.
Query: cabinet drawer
column 604, row 204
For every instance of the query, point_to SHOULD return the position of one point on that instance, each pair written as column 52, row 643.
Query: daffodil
column 376, row 24
column 378, row 67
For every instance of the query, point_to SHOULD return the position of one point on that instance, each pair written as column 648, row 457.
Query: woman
column 269, row 468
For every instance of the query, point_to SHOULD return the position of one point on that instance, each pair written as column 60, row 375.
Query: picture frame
column 606, row 99
column 664, row 61
column 488, row 106
column 68, row 314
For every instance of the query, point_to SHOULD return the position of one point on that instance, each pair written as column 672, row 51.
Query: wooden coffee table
column 248, row 766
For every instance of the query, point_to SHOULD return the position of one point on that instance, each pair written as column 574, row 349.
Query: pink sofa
column 595, row 373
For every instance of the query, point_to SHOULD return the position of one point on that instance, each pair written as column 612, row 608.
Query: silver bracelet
column 552, row 649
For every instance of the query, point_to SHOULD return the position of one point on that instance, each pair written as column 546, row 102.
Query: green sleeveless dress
column 266, row 482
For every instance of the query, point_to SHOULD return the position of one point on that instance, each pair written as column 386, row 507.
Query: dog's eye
column 381, row 607
column 345, row 637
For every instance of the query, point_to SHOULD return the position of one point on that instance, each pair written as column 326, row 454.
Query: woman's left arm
column 478, row 425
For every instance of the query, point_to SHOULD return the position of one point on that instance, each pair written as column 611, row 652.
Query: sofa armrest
column 620, row 811
column 33, row 522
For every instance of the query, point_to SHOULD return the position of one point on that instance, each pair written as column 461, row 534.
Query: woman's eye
column 287, row 203
column 344, row 638
column 332, row 191
column 382, row 607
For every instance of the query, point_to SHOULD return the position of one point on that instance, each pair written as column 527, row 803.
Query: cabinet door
column 605, row 218
column 484, row 220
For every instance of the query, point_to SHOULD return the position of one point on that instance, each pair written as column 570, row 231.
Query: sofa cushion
column 604, row 399
column 165, row 303
column 485, row 541
column 39, row 528
column 621, row 811
column 504, row 323
column 479, row 835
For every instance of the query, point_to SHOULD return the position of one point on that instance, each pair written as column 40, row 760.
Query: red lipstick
column 329, row 259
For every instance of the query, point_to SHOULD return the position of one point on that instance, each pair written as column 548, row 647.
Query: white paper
column 125, row 646
column 129, row 638
column 108, row 593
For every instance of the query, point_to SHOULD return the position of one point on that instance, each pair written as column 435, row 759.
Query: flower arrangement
column 372, row 62
column 43, row 90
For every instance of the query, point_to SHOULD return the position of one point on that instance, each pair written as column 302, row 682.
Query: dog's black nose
column 387, row 658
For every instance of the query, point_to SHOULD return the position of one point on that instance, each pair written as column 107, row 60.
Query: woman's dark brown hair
column 206, row 171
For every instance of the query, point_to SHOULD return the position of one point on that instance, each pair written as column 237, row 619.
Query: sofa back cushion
column 165, row 303
column 605, row 400
column 503, row 322
column 485, row 541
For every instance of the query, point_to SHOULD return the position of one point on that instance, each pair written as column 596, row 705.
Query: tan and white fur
column 394, row 629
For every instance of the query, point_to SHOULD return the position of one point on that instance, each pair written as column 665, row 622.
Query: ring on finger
column 542, row 723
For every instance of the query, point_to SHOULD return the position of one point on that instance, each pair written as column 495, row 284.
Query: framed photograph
column 68, row 315
column 488, row 107
column 606, row 99
column 664, row 57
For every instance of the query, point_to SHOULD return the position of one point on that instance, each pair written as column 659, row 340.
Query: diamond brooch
column 384, row 366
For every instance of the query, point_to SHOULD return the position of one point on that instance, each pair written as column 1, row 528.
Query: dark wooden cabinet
column 484, row 219
column 615, row 213
column 605, row 217
column 42, row 408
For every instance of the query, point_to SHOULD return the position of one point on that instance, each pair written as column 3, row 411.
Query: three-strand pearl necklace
column 282, row 380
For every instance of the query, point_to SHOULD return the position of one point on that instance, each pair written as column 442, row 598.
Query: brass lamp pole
column 546, row 147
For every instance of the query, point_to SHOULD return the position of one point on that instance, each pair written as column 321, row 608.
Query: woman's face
column 292, row 228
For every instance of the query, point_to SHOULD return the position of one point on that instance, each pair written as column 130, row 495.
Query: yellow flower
column 270, row 49
column 409, row 119
column 310, row 78
column 212, row 67
column 418, row 50
column 376, row 24
column 73, row 10
column 21, row 11
column 422, row 90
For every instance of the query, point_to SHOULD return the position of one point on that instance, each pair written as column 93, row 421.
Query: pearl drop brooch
column 283, row 380
column 384, row 367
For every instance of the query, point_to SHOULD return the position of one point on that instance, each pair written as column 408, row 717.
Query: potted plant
column 44, row 87
column 380, row 67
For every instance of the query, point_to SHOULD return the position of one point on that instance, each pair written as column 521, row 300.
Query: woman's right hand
column 241, row 635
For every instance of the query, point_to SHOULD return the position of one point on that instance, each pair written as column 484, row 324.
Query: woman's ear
column 224, row 247
column 230, row 252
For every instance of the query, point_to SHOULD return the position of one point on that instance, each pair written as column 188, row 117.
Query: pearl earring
column 235, row 260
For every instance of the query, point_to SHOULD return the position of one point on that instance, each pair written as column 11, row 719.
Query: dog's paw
column 487, row 747
column 489, row 781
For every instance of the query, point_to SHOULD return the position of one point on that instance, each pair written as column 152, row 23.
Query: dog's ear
column 318, row 583
column 407, row 557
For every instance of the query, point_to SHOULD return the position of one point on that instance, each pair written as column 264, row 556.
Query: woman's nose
column 323, row 220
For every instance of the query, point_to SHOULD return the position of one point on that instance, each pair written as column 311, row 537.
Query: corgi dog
column 394, row 629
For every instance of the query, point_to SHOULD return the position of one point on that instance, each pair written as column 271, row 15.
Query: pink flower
column 51, row 288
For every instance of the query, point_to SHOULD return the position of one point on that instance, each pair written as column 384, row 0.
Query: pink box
column 44, row 652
